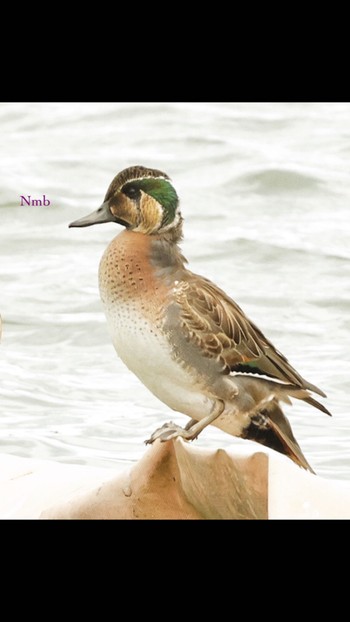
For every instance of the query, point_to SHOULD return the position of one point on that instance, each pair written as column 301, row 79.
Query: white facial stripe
column 146, row 177
column 173, row 222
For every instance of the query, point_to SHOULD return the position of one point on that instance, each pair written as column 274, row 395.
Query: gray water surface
column 265, row 194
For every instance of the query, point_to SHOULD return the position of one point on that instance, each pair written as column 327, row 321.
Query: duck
column 186, row 340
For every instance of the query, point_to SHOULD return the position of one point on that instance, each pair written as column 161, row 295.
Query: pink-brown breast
column 127, row 277
column 136, row 297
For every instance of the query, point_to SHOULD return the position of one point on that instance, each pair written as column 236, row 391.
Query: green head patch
column 160, row 189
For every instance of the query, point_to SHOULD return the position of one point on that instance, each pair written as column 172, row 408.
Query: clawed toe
column 167, row 432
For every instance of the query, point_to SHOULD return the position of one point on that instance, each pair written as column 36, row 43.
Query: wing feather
column 222, row 331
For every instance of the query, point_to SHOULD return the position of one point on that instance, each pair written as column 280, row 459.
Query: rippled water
column 265, row 194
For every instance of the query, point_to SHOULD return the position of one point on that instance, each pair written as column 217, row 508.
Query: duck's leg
column 190, row 423
column 171, row 430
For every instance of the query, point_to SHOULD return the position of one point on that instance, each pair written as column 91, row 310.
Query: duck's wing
column 218, row 327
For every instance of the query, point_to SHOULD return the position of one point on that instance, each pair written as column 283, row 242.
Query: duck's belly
column 146, row 352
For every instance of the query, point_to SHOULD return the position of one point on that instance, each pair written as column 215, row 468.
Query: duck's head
column 141, row 199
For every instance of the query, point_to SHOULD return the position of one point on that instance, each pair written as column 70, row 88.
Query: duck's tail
column 271, row 428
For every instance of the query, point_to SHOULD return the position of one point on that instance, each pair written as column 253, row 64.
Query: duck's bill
column 99, row 216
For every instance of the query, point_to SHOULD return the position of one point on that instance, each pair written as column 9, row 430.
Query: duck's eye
column 131, row 191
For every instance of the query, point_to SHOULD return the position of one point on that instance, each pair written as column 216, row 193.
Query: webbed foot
column 169, row 431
